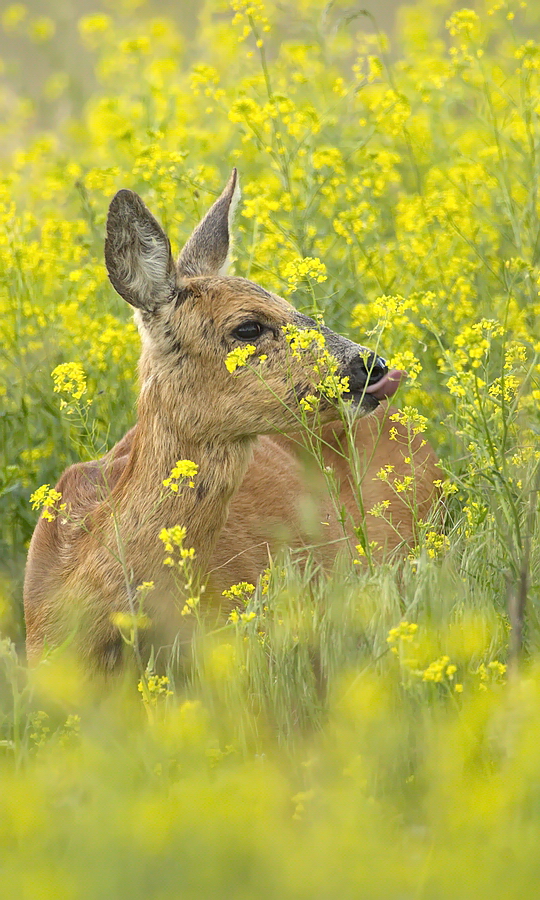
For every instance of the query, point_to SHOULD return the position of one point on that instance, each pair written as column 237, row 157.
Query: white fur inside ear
column 235, row 199
column 148, row 272
column 154, row 253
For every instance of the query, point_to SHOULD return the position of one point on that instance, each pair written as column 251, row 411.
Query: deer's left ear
column 138, row 254
column 207, row 250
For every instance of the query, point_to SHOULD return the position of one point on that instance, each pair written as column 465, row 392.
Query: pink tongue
column 388, row 384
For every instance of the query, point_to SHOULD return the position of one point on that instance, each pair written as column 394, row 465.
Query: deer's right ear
column 138, row 253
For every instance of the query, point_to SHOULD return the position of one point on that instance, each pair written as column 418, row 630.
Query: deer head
column 191, row 315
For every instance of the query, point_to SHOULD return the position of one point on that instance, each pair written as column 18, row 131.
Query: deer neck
column 202, row 509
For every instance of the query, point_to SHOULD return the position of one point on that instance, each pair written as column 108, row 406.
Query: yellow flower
column 405, row 631
column 96, row 24
column 47, row 498
column 241, row 591
column 464, row 22
column 411, row 418
column 239, row 357
column 145, row 586
column 437, row 670
column 127, row 621
column 13, row 15
column 42, row 29
column 251, row 15
column 172, row 537
column 155, row 688
column 436, row 544
column 69, row 378
column 173, row 543
column 184, row 468
column 304, row 269
column 379, row 509
column 190, row 605
column 309, row 402
column 408, row 361
column 300, row 339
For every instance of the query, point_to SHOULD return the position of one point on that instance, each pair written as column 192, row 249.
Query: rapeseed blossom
column 154, row 689
column 239, row 357
column 183, row 469
column 241, row 591
column 47, row 499
column 173, row 542
column 69, row 378
column 307, row 269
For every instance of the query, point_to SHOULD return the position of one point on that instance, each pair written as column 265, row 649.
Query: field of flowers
column 375, row 735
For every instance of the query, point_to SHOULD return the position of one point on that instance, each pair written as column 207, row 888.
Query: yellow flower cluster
column 69, row 378
column 440, row 669
column 173, row 542
column 379, row 509
column 493, row 673
column 464, row 23
column 47, row 499
column 127, row 622
column 155, row 688
column 324, row 365
column 95, row 25
column 301, row 270
column 436, row 544
column 239, row 592
column 179, row 559
column 239, row 357
column 409, row 416
column 301, row 339
column 13, row 15
column 251, row 15
column 183, row 469
column 384, row 472
column 405, row 631
column 235, row 616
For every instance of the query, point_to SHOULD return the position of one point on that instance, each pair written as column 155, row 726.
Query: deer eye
column 248, row 331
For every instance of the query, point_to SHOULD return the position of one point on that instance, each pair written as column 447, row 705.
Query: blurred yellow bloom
column 42, row 29
column 13, row 15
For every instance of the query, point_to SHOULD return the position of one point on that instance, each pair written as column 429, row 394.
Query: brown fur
column 251, row 495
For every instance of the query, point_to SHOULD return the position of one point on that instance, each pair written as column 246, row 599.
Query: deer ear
column 138, row 253
column 207, row 251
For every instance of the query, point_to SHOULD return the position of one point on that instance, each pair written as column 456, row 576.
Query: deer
column 241, row 429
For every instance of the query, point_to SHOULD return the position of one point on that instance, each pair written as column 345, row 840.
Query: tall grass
column 356, row 736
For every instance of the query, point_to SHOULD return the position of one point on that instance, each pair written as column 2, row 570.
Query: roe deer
column 250, row 493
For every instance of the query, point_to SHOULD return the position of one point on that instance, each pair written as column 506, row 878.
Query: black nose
column 374, row 368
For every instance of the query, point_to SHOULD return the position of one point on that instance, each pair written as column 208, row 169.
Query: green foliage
column 350, row 737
